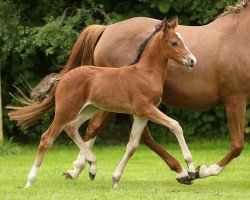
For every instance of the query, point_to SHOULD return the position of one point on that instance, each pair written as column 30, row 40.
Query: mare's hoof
column 67, row 175
column 191, row 175
column 91, row 176
column 185, row 180
column 197, row 174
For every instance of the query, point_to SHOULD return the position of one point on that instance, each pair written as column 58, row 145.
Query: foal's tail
column 28, row 115
column 43, row 95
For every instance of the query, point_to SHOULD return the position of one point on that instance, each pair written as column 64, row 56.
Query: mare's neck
column 152, row 60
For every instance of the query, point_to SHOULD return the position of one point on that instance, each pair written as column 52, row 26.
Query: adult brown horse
column 84, row 91
column 222, row 50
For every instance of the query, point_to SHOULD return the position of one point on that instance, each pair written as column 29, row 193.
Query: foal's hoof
column 185, row 180
column 197, row 172
column 91, row 176
column 67, row 175
column 191, row 175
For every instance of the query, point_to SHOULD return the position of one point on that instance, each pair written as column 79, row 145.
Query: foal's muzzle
column 190, row 61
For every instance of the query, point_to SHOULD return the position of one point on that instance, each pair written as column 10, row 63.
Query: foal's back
column 112, row 89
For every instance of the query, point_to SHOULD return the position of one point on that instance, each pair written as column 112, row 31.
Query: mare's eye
column 174, row 43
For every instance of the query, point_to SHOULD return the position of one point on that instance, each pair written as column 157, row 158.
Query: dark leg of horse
column 235, row 109
column 172, row 163
column 95, row 126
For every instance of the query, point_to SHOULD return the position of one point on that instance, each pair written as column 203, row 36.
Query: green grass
column 146, row 175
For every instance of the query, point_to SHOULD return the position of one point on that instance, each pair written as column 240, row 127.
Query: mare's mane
column 233, row 9
column 144, row 44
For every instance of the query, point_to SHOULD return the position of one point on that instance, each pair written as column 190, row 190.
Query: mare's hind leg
column 236, row 110
column 72, row 130
column 95, row 126
column 137, row 128
column 46, row 141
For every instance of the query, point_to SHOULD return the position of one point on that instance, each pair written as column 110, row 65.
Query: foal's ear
column 165, row 25
column 174, row 23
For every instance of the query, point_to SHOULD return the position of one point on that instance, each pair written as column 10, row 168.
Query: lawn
column 146, row 175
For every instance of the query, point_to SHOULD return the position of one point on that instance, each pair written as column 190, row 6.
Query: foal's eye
column 174, row 43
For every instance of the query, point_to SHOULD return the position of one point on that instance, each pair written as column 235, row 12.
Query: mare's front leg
column 154, row 114
column 95, row 126
column 137, row 128
column 236, row 110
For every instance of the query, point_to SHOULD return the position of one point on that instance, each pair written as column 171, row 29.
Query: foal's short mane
column 144, row 44
column 233, row 9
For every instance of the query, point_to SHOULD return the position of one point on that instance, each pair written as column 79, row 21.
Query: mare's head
column 173, row 45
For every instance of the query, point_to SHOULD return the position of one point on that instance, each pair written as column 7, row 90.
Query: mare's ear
column 174, row 23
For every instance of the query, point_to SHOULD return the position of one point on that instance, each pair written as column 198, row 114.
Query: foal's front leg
column 137, row 128
column 154, row 114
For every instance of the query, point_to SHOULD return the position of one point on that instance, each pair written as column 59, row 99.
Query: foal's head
column 173, row 45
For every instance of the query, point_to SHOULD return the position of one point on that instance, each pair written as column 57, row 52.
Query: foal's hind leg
column 95, row 126
column 46, row 141
column 72, row 130
column 137, row 128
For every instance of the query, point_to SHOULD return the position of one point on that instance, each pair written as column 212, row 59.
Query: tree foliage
column 36, row 38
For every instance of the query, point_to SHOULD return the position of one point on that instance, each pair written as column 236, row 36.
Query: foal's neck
column 153, row 61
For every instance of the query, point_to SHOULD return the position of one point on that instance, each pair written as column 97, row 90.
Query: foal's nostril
column 192, row 62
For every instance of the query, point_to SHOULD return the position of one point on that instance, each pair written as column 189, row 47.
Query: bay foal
column 136, row 89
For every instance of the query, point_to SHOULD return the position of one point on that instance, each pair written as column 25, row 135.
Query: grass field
column 146, row 175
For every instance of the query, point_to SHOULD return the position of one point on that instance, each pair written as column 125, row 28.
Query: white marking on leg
column 72, row 129
column 182, row 174
column 81, row 162
column 212, row 170
column 137, row 128
column 177, row 130
column 32, row 176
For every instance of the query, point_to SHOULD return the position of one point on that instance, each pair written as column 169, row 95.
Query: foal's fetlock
column 92, row 170
column 71, row 174
column 74, row 173
column 32, row 177
column 115, row 181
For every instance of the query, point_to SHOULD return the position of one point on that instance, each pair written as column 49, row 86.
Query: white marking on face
column 191, row 55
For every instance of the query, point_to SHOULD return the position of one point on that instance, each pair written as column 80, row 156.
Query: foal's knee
column 45, row 142
column 131, row 148
column 175, row 127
